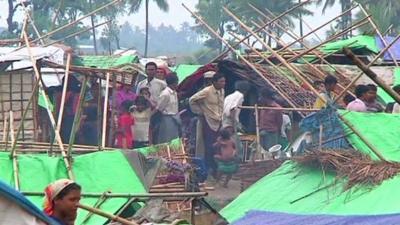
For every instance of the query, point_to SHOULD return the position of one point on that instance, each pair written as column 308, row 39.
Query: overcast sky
column 177, row 15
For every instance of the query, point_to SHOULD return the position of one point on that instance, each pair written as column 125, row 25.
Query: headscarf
column 51, row 192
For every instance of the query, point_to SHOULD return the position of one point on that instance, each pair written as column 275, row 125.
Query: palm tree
column 346, row 20
column 135, row 6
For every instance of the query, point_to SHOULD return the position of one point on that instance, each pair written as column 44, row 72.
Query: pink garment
column 123, row 95
column 357, row 106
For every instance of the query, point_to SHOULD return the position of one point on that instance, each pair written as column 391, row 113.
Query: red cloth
column 125, row 123
column 271, row 120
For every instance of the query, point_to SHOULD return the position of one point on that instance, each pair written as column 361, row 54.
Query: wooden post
column 107, row 215
column 371, row 74
column 369, row 65
column 105, row 109
column 77, row 117
column 50, row 114
column 258, row 149
column 258, row 30
column 13, row 153
column 64, row 93
column 7, row 132
column 113, row 108
column 12, row 127
column 371, row 21
column 99, row 116
column 240, row 56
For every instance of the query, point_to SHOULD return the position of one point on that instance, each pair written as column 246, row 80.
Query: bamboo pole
column 71, row 23
column 371, row 21
column 319, row 28
column 103, row 137
column 7, row 132
column 240, row 56
column 25, row 113
column 369, row 65
column 265, row 25
column 362, row 22
column 46, row 100
column 107, row 215
column 113, row 108
column 32, row 22
column 13, row 155
column 258, row 149
column 293, row 35
column 97, row 205
column 76, row 33
column 64, row 92
column 130, row 195
column 5, row 126
column 371, row 74
column 23, row 29
column 281, row 109
column 99, row 116
column 77, row 117
column 280, row 58
column 12, row 127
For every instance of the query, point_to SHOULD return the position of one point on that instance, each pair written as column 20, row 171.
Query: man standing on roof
column 326, row 97
column 156, row 86
column 209, row 104
column 61, row 201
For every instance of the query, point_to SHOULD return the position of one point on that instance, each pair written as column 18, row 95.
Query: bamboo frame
column 265, row 25
column 77, row 117
column 46, row 100
column 140, row 197
column 371, row 74
column 293, row 35
column 371, row 21
column 240, row 56
column 369, row 65
column 103, row 137
column 96, row 205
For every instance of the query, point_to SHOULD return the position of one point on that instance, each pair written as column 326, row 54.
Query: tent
column 294, row 194
column 17, row 210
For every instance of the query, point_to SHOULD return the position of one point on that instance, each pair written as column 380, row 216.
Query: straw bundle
column 353, row 166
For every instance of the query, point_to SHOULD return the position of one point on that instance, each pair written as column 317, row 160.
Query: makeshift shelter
column 297, row 194
column 18, row 210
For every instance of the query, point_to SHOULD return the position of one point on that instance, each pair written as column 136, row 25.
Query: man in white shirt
column 156, row 86
column 169, row 127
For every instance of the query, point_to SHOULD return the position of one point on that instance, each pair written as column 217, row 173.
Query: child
column 226, row 156
column 124, row 134
column 142, row 114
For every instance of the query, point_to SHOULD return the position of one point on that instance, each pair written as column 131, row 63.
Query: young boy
column 225, row 157
column 61, row 201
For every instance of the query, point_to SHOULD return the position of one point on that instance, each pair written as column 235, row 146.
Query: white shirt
column 357, row 106
column 396, row 108
column 168, row 102
column 142, row 125
column 156, row 86
column 286, row 125
column 233, row 101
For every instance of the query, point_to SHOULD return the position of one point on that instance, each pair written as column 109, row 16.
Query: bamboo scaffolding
column 293, row 35
column 77, row 117
column 371, row 74
column 240, row 56
column 107, row 215
column 319, row 28
column 46, row 100
column 76, row 33
column 71, row 23
column 371, row 21
column 140, row 197
column 294, row 70
column 104, row 131
column 265, row 25
column 96, row 205
column 362, row 22
column 369, row 65
column 31, row 22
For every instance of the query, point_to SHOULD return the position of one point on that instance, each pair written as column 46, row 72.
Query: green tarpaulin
column 95, row 172
column 296, row 189
column 360, row 41
column 106, row 62
column 174, row 145
column 184, row 70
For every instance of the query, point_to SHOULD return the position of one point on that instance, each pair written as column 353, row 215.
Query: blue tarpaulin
column 394, row 50
column 274, row 218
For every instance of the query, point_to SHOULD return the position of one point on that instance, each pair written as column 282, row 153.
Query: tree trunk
column 147, row 29
column 10, row 16
column 93, row 28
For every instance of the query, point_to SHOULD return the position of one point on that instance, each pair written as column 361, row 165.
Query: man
column 327, row 96
column 232, row 104
column 372, row 104
column 155, row 85
column 270, row 120
column 169, row 128
column 358, row 105
column 61, row 201
column 209, row 103
column 208, row 78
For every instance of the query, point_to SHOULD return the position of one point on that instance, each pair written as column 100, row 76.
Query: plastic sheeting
column 183, row 71
column 95, row 172
column 394, row 50
column 360, row 41
column 271, row 218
